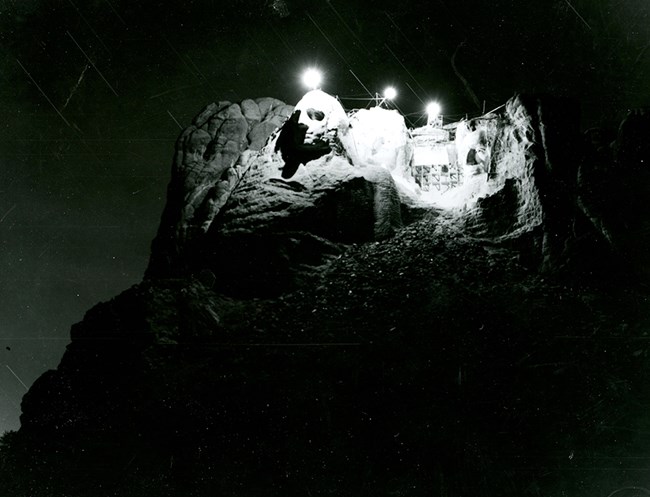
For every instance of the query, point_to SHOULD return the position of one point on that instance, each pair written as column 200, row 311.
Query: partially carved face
column 321, row 113
column 315, row 114
column 315, row 121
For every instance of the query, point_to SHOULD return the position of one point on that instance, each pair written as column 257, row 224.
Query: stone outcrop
column 273, row 230
column 421, row 354
column 231, row 215
column 208, row 162
column 570, row 202
column 529, row 191
column 567, row 202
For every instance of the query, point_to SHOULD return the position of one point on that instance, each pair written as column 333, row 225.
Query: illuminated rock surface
column 283, row 343
column 269, row 229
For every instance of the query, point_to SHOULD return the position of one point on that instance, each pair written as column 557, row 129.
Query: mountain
column 345, row 331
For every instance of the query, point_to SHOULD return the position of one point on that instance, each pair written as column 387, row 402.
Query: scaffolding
column 437, row 177
column 435, row 165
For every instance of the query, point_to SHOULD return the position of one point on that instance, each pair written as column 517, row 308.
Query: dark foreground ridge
column 501, row 349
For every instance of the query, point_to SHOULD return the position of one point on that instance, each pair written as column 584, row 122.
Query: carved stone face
column 315, row 114
column 379, row 137
column 316, row 121
column 320, row 112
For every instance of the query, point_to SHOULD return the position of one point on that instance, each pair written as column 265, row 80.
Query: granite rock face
column 531, row 177
column 568, row 201
column 208, row 162
column 230, row 215
column 271, row 230
column 300, row 336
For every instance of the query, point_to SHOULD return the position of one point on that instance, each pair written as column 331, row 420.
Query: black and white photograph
column 343, row 248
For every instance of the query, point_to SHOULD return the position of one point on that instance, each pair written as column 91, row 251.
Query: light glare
column 312, row 78
column 390, row 93
column 433, row 109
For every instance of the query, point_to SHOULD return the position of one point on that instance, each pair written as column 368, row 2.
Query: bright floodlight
column 312, row 78
column 433, row 109
column 390, row 93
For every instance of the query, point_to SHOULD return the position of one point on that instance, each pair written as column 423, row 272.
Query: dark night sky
column 94, row 93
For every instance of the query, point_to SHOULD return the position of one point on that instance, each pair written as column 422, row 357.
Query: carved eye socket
column 315, row 115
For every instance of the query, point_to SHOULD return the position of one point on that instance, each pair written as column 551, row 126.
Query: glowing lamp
column 434, row 118
column 390, row 93
column 433, row 109
column 312, row 78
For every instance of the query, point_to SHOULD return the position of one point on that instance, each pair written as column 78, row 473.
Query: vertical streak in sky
column 328, row 40
column 172, row 116
column 404, row 67
column 354, row 35
column 364, row 86
column 418, row 96
column 577, row 13
column 92, row 63
column 7, row 213
column 43, row 93
column 115, row 11
column 21, row 381
column 76, row 86
column 88, row 24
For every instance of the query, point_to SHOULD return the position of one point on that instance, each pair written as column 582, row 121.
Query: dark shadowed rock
column 271, row 228
column 297, row 337
column 532, row 180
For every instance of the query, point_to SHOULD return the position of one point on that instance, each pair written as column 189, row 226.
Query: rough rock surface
column 413, row 362
column 534, row 161
column 208, row 162
column 436, row 360
column 379, row 136
column 270, row 231
column 564, row 203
